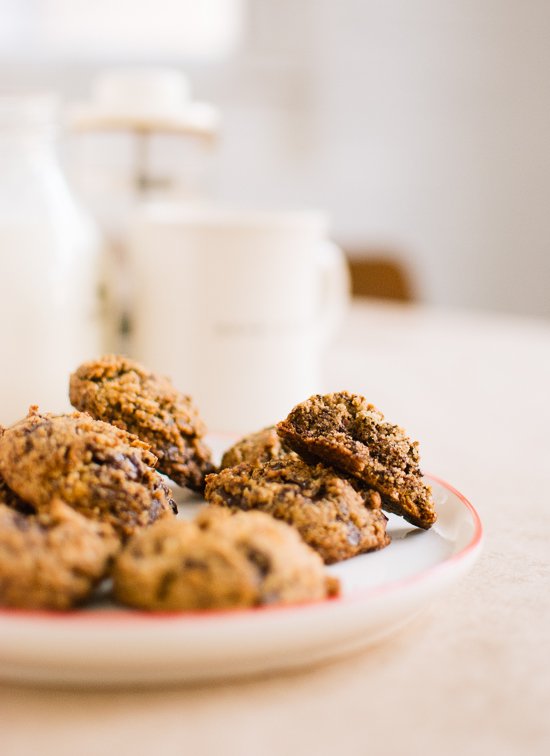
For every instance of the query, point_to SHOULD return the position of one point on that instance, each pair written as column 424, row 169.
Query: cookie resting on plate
column 344, row 431
column 219, row 561
column 255, row 448
column 331, row 516
column 52, row 560
column 101, row 471
column 126, row 394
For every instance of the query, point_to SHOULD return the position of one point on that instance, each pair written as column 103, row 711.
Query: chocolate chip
column 260, row 561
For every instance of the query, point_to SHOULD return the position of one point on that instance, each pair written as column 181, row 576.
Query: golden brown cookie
column 124, row 393
column 255, row 448
column 219, row 561
column 101, row 471
column 52, row 560
column 344, row 431
column 328, row 512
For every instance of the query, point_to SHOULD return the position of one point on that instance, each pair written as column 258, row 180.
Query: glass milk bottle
column 49, row 265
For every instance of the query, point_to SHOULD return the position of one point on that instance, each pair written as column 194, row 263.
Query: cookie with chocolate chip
column 101, row 471
column 219, row 561
column 345, row 431
column 123, row 392
column 328, row 511
column 52, row 560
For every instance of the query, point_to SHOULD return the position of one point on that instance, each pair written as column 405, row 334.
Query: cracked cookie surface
column 219, row 561
column 256, row 448
column 325, row 508
column 345, row 431
column 101, row 471
column 52, row 560
column 123, row 392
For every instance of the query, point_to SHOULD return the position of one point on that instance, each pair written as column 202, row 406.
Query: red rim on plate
column 133, row 615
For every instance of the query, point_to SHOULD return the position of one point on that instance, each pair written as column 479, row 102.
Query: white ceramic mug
column 236, row 306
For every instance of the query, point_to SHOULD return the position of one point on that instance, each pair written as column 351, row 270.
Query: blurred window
column 120, row 29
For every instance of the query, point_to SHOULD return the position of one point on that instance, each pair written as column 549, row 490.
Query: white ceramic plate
column 381, row 593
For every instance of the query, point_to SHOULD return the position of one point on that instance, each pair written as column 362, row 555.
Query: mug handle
column 335, row 290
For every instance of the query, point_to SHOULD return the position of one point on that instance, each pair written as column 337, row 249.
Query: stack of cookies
column 84, row 497
column 328, row 469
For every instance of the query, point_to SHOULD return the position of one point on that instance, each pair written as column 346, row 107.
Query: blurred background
column 421, row 126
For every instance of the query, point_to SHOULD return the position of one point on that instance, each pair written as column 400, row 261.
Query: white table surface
column 473, row 675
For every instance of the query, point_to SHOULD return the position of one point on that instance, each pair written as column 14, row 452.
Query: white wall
column 424, row 126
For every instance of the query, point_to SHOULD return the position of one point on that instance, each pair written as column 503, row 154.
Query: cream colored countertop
column 473, row 675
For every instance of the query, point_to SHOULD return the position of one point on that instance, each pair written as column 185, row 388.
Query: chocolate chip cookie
column 101, row 471
column 343, row 430
column 329, row 513
column 219, row 561
column 256, row 448
column 124, row 393
column 52, row 560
